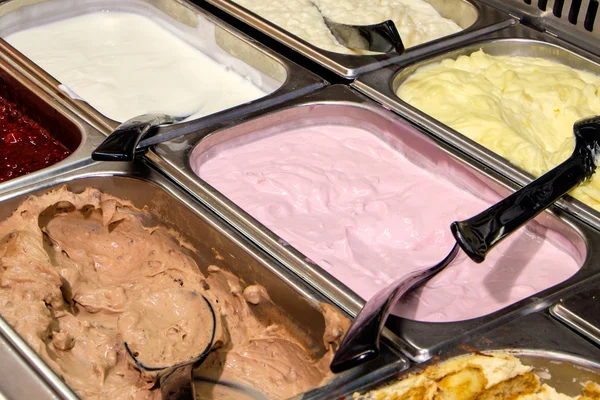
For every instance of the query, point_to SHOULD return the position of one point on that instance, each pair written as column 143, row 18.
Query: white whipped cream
column 125, row 64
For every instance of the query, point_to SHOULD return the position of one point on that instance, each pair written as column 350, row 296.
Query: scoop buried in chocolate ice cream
column 81, row 274
column 156, row 329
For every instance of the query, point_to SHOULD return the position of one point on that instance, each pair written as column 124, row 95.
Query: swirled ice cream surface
column 124, row 64
column 367, row 215
column 417, row 21
column 82, row 274
column 522, row 108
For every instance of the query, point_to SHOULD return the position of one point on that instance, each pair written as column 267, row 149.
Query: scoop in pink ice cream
column 367, row 215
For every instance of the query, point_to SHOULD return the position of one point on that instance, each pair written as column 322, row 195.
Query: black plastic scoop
column 476, row 236
column 380, row 38
column 122, row 144
column 176, row 381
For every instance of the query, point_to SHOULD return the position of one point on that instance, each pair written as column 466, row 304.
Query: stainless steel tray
column 418, row 340
column 556, row 353
column 581, row 312
column 281, row 78
column 476, row 19
column 64, row 125
column 576, row 21
column 522, row 41
column 16, row 378
column 173, row 207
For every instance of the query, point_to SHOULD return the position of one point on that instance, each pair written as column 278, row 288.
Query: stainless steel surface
column 559, row 356
column 576, row 21
column 475, row 236
column 339, row 104
column 209, row 235
column 519, row 41
column 16, row 379
column 64, row 125
column 581, row 312
column 471, row 15
column 29, row 369
column 274, row 74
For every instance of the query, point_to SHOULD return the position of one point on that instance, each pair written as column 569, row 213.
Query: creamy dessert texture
column 417, row 21
column 125, row 65
column 81, row 274
column 476, row 376
column 367, row 215
column 519, row 107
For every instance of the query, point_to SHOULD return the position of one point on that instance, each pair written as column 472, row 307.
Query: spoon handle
column 361, row 343
column 121, row 144
column 178, row 384
column 479, row 234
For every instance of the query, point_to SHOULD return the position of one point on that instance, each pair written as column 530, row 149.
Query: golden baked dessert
column 494, row 376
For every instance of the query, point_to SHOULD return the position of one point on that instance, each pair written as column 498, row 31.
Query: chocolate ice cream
column 81, row 274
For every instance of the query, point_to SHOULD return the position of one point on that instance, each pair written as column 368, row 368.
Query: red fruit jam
column 25, row 146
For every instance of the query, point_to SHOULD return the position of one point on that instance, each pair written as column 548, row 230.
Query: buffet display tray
column 381, row 86
column 341, row 105
column 560, row 357
column 576, row 21
column 473, row 16
column 214, row 241
column 274, row 74
column 581, row 312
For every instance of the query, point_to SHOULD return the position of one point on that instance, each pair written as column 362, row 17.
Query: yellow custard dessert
column 521, row 108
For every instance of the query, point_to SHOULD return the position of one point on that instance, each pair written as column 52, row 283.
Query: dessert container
column 516, row 41
column 474, row 17
column 561, row 359
column 63, row 125
column 275, row 75
column 215, row 243
column 341, row 105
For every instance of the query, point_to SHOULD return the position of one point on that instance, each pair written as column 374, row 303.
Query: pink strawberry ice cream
column 367, row 215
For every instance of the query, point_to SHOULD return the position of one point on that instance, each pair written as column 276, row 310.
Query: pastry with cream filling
column 495, row 376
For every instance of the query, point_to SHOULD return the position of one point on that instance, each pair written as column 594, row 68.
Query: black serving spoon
column 122, row 143
column 476, row 236
column 380, row 38
column 176, row 381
